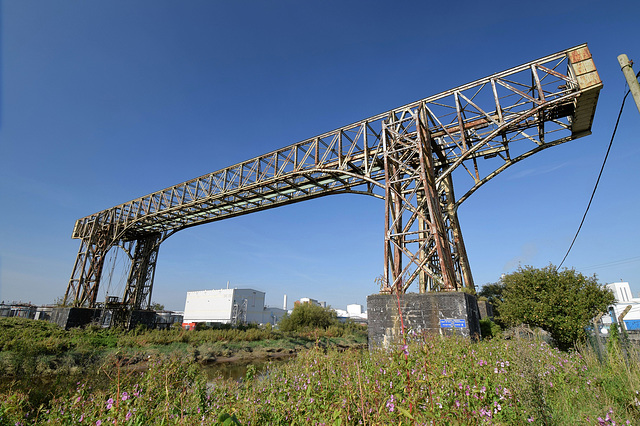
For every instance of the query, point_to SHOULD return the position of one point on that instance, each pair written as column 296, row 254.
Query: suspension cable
column 597, row 181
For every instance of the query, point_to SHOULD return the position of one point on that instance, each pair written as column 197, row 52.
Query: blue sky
column 103, row 102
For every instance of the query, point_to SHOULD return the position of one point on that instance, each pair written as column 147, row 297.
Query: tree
column 156, row 307
column 561, row 302
column 494, row 294
column 307, row 315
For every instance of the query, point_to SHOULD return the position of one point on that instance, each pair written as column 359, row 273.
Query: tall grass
column 431, row 380
column 29, row 347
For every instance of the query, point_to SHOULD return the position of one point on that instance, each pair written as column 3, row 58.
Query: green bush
column 489, row 329
column 562, row 303
column 307, row 315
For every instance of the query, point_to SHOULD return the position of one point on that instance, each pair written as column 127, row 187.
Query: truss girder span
column 409, row 156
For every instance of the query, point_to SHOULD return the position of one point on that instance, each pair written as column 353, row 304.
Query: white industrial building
column 228, row 306
column 624, row 298
column 312, row 302
column 354, row 312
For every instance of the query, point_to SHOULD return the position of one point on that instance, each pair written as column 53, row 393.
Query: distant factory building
column 310, row 301
column 165, row 319
column 21, row 310
column 354, row 312
column 228, row 306
column 624, row 299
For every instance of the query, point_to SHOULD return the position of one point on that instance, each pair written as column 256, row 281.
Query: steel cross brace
column 421, row 231
column 143, row 254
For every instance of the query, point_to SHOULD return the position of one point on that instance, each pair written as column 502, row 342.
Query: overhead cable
column 597, row 181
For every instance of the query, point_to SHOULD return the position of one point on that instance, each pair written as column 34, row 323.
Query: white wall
column 217, row 305
column 621, row 291
column 208, row 306
column 311, row 301
column 255, row 303
column 354, row 309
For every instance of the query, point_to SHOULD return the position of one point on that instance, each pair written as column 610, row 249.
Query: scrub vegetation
column 425, row 380
column 561, row 302
column 29, row 347
column 147, row 377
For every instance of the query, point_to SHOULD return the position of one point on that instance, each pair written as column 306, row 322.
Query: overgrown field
column 430, row 380
column 39, row 348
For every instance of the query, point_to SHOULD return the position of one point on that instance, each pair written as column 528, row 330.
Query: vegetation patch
column 428, row 380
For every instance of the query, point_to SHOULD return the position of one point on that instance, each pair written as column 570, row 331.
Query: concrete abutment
column 451, row 313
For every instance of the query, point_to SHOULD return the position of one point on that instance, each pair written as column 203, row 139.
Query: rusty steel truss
column 407, row 156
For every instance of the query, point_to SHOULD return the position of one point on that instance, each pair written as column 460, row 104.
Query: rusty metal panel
column 581, row 53
column 584, row 68
column 586, row 76
column 589, row 80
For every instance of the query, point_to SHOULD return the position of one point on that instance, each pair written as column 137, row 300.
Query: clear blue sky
column 106, row 101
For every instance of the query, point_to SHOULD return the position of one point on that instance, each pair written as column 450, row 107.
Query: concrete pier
column 74, row 317
column 80, row 317
column 448, row 313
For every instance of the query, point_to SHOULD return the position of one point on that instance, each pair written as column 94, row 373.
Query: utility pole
column 632, row 80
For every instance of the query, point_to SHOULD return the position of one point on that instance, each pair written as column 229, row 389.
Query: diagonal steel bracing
column 409, row 156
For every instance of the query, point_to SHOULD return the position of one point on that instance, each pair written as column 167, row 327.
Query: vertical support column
column 137, row 294
column 424, row 280
column 393, row 217
column 143, row 266
column 423, row 241
column 460, row 258
column 82, row 290
column 438, row 230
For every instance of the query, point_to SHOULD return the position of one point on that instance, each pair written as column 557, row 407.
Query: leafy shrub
column 307, row 315
column 562, row 303
column 489, row 329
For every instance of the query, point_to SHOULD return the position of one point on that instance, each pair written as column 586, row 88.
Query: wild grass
column 29, row 347
column 431, row 380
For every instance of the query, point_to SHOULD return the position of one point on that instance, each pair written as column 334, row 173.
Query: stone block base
column 74, row 317
column 80, row 317
column 442, row 313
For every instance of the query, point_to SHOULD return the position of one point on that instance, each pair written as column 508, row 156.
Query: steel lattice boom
column 407, row 156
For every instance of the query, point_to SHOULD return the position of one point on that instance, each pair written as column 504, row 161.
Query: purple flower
column 390, row 404
column 125, row 396
column 405, row 350
column 109, row 403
